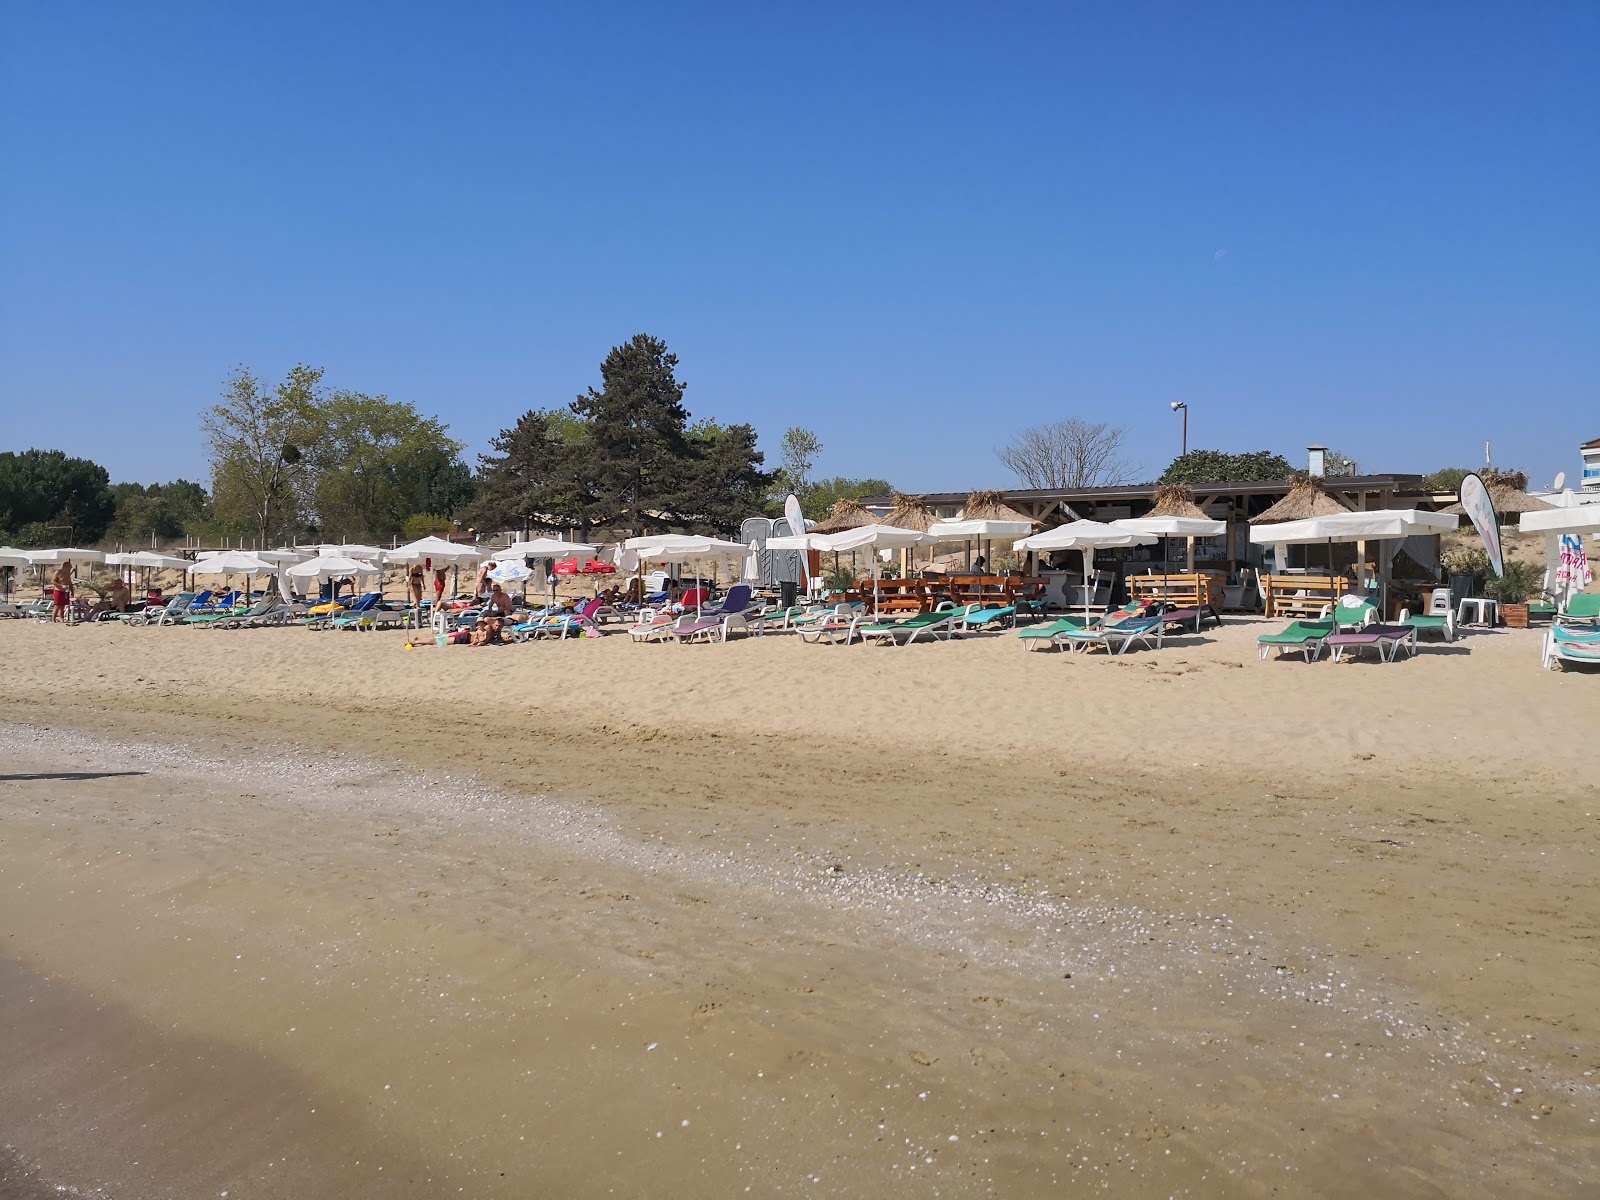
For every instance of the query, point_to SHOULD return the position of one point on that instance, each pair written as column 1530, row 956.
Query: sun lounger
column 227, row 620
column 1567, row 643
column 930, row 624
column 1387, row 640
column 1115, row 637
column 836, row 629
column 1444, row 625
column 708, row 626
column 1036, row 636
column 1304, row 637
column 980, row 616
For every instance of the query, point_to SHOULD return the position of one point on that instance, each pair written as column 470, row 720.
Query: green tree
column 257, row 439
column 1446, row 479
column 373, row 462
column 825, row 493
column 637, row 444
column 161, row 510
column 45, row 495
column 537, row 475
column 798, row 451
column 1217, row 466
column 724, row 481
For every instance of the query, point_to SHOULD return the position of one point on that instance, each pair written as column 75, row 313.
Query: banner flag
column 1480, row 509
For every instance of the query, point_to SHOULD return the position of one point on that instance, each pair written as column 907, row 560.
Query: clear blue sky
column 914, row 228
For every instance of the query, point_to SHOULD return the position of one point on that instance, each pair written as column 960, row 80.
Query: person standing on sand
column 60, row 591
column 438, row 584
column 480, row 587
column 414, row 584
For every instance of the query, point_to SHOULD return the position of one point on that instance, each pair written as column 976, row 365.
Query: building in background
column 1591, row 465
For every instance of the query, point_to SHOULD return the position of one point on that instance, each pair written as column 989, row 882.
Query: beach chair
column 322, row 616
column 176, row 614
column 1567, row 643
column 834, row 629
column 1036, row 637
column 230, row 619
column 1583, row 608
column 1387, row 640
column 1117, row 637
column 981, row 616
column 579, row 622
column 931, row 625
column 708, row 626
column 1303, row 637
column 1444, row 624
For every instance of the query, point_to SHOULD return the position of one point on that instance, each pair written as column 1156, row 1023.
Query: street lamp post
column 1176, row 405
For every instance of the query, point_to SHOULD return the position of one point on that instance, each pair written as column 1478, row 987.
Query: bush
column 1520, row 581
column 1474, row 562
column 423, row 524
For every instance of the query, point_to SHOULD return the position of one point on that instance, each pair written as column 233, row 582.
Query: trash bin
column 1460, row 588
column 788, row 592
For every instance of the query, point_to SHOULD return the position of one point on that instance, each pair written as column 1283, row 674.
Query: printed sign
column 1480, row 510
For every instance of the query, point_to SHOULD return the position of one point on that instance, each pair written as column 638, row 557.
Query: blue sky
column 913, row 228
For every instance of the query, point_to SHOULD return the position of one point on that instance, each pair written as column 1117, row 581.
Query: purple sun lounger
column 1386, row 639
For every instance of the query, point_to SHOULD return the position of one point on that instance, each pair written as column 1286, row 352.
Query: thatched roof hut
column 845, row 514
column 988, row 506
column 1176, row 500
column 909, row 512
column 1509, row 492
column 1305, row 499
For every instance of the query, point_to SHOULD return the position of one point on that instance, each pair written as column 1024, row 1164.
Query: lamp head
column 1177, row 404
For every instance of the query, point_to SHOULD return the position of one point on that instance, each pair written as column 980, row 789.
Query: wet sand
column 631, row 920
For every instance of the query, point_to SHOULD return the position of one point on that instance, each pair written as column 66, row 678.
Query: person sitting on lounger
column 118, row 597
column 498, row 602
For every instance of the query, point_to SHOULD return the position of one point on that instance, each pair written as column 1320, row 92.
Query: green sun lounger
column 912, row 628
column 1305, row 637
column 1044, row 635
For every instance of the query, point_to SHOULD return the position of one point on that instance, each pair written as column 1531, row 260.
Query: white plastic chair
column 1439, row 603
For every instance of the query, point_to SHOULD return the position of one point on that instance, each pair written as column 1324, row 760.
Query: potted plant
column 1512, row 591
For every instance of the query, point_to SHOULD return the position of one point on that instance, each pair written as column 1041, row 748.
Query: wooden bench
column 1300, row 595
column 1202, row 589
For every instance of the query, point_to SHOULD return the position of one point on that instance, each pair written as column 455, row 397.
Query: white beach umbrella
column 680, row 548
column 1372, row 525
column 1557, row 523
column 549, row 548
column 438, row 549
column 875, row 538
column 513, row 571
column 150, row 559
column 1173, row 525
column 231, row 562
column 64, row 554
column 1087, row 537
column 284, row 554
column 10, row 556
column 331, row 566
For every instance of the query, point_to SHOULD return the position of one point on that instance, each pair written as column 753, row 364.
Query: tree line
column 297, row 459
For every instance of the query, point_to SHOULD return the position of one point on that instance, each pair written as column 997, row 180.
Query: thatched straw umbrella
column 991, row 506
column 909, row 512
column 1176, row 500
column 845, row 514
column 1305, row 499
column 1508, row 491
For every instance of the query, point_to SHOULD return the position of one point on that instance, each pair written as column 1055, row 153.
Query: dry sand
column 591, row 918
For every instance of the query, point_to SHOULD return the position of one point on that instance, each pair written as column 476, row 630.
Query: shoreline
column 813, row 931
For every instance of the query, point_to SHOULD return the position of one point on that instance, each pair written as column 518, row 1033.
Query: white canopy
column 1083, row 535
column 370, row 554
column 1375, row 525
column 10, row 556
column 438, row 549
column 953, row 531
column 874, row 537
column 284, row 554
column 331, row 566
column 677, row 547
column 1580, row 518
column 799, row 541
column 547, row 548
column 232, row 562
column 64, row 555
column 1184, row 527
column 147, row 558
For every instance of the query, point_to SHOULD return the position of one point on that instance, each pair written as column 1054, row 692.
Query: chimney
column 1318, row 465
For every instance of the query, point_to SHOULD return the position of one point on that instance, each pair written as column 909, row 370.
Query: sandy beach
column 295, row 914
